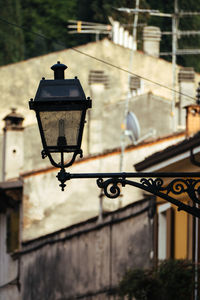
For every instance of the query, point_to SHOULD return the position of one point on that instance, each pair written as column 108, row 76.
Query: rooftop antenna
column 176, row 33
column 137, row 3
column 130, row 125
column 83, row 27
column 136, row 12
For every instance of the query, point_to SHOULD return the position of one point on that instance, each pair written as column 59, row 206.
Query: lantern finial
column 59, row 70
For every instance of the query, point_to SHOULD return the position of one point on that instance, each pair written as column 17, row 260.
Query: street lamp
column 60, row 107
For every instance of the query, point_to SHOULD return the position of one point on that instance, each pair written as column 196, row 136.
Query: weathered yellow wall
column 180, row 235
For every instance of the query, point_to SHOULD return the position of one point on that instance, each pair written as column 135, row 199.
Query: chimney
column 126, row 39
column 151, row 40
column 186, row 79
column 13, row 145
column 116, row 32
column 121, row 36
column 193, row 116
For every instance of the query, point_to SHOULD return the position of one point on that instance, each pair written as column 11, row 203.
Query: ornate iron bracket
column 183, row 184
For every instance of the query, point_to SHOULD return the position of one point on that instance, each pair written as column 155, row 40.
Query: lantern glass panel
column 52, row 91
column 61, row 128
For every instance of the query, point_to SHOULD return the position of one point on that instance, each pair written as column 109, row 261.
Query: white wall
column 47, row 209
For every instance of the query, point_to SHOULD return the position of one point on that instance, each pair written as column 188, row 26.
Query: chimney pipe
column 13, row 145
column 151, row 40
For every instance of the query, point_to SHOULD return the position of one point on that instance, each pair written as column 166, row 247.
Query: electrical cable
column 97, row 59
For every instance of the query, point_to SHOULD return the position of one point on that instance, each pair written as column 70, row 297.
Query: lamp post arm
column 186, row 184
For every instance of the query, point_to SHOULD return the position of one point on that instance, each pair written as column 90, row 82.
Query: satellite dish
column 132, row 127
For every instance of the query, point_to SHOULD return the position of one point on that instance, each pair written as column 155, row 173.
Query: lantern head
column 60, row 107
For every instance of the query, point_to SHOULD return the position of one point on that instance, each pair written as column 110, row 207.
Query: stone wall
column 87, row 260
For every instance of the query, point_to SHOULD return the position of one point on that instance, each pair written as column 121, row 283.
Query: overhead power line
column 96, row 58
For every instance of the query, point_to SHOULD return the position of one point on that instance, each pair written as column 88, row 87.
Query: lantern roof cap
column 59, row 70
column 59, row 66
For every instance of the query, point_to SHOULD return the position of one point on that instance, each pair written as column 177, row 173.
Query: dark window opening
column 13, row 225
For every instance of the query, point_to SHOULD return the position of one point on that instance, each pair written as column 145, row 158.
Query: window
column 135, row 85
column 13, row 225
column 165, row 245
column 98, row 76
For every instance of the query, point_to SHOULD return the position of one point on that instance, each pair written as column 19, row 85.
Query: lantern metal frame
column 181, row 183
column 61, row 103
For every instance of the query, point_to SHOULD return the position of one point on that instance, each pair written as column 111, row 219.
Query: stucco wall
column 87, row 260
column 145, row 108
column 19, row 81
column 47, row 208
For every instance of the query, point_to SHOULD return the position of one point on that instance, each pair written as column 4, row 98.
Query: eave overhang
column 170, row 155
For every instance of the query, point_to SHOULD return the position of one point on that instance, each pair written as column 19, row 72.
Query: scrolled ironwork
column 186, row 185
column 155, row 184
column 110, row 187
column 189, row 188
column 177, row 186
